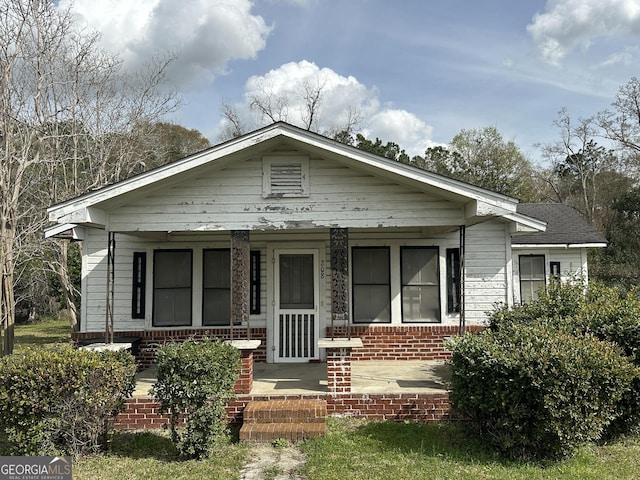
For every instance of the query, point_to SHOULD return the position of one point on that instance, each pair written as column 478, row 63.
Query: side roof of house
column 565, row 227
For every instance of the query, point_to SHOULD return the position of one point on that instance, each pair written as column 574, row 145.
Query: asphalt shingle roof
column 565, row 226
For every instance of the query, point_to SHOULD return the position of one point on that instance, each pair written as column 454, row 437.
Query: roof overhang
column 64, row 231
column 91, row 209
column 558, row 245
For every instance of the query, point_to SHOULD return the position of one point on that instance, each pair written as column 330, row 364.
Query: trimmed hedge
column 608, row 313
column 59, row 402
column 195, row 382
column 535, row 392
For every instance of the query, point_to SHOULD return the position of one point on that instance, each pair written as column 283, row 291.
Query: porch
column 367, row 377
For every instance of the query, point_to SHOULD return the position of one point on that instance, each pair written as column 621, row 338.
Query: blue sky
column 416, row 71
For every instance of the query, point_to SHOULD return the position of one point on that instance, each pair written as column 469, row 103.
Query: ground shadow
column 145, row 444
column 447, row 439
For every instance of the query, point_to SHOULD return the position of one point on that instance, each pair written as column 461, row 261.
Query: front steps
column 292, row 420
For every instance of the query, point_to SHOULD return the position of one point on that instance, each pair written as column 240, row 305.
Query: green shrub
column 195, row 383
column 613, row 315
column 536, row 392
column 557, row 304
column 60, row 401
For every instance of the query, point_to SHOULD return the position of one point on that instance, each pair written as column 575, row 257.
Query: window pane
column 216, row 307
column 172, row 288
column 371, row 265
column 296, row 281
column 454, row 281
column 419, row 266
column 172, row 307
column 371, row 303
column 172, row 269
column 371, row 291
column 217, row 268
column 420, row 304
column 420, row 280
column 216, row 294
column 532, row 276
column 530, row 289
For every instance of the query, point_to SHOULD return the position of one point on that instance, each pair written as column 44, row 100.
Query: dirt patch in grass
column 267, row 462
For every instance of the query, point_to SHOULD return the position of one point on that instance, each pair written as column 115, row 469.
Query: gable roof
column 479, row 204
column 565, row 227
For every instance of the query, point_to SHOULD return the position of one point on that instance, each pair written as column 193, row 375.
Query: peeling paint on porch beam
column 240, row 279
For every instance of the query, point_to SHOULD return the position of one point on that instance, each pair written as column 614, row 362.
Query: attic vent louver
column 285, row 176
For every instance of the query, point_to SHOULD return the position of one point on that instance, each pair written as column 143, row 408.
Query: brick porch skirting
column 401, row 342
column 150, row 340
column 143, row 412
column 380, row 342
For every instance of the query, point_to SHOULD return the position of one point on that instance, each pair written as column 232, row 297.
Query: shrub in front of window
column 535, row 392
column 195, row 383
column 613, row 315
column 608, row 313
column 560, row 302
column 59, row 402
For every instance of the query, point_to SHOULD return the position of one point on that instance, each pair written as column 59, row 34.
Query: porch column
column 339, row 362
column 338, row 370
column 244, row 384
column 339, row 245
column 240, row 279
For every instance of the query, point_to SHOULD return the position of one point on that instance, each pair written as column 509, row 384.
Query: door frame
column 273, row 253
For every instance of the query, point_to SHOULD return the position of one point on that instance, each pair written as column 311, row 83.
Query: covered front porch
column 370, row 376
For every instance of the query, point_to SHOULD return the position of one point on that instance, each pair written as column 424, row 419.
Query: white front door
column 296, row 305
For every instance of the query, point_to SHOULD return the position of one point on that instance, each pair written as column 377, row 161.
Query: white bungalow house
column 287, row 237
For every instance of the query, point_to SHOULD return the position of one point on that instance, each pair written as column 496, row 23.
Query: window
column 172, row 273
column 285, row 176
column 254, row 283
column 216, row 287
column 555, row 269
column 454, row 283
column 420, row 286
column 532, row 276
column 138, row 288
column 371, row 285
column 296, row 281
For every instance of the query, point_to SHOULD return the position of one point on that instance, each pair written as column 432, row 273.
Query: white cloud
column 205, row 34
column 341, row 97
column 403, row 128
column 570, row 24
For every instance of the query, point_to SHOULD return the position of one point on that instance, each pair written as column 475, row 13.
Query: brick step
column 285, row 411
column 293, row 420
column 293, row 432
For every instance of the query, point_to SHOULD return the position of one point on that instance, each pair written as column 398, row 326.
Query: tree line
column 72, row 119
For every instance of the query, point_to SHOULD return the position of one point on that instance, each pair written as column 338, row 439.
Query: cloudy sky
column 417, row 71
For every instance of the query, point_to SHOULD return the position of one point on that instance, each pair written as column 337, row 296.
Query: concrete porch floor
column 396, row 376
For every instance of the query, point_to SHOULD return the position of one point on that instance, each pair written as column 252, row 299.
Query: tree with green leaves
column 483, row 158
column 389, row 150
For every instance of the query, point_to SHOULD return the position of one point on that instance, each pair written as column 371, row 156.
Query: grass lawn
column 352, row 449
column 48, row 333
column 356, row 449
column 144, row 455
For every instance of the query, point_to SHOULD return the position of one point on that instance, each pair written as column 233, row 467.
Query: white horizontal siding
column 232, row 199
column 486, row 262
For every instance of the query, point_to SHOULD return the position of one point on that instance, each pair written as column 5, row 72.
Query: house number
column 322, row 269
